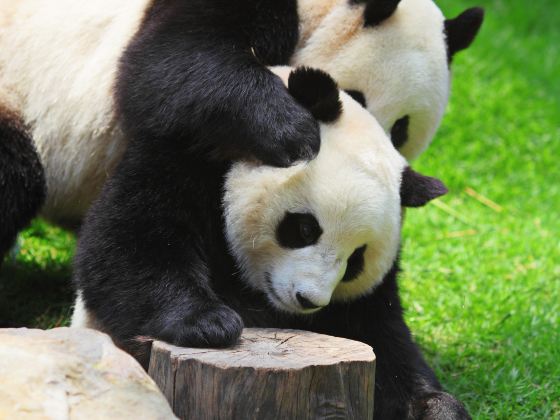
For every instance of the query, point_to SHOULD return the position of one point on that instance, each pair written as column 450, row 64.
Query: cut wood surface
column 270, row 374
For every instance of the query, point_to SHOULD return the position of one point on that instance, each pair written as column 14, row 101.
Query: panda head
column 328, row 229
column 393, row 55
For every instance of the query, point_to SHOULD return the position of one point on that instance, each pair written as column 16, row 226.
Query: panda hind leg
column 22, row 179
column 439, row 406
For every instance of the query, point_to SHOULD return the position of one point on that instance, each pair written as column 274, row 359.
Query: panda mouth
column 270, row 288
column 273, row 296
column 278, row 302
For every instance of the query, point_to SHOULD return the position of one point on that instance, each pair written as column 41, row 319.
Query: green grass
column 481, row 287
column 35, row 279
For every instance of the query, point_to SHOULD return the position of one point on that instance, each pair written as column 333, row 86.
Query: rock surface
column 68, row 373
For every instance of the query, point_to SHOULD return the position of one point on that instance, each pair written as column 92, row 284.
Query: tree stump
column 270, row 374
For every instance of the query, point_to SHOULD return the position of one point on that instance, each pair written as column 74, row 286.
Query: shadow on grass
column 35, row 288
column 34, row 297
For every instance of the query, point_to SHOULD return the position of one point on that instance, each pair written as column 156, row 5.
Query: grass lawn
column 481, row 279
column 482, row 286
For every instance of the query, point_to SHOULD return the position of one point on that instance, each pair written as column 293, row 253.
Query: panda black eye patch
column 298, row 230
column 355, row 264
column 399, row 132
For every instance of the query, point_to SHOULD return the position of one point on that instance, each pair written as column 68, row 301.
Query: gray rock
column 69, row 373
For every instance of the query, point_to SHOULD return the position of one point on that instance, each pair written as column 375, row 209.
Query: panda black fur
column 22, row 180
column 153, row 258
column 190, row 68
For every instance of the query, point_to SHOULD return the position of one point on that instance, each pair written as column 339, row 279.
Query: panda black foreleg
column 191, row 74
column 22, row 179
column 175, row 307
column 132, row 291
column 405, row 386
column 141, row 265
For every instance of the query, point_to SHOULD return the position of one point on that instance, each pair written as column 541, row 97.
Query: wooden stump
column 270, row 374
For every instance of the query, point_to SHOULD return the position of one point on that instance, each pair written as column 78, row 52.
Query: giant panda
column 190, row 259
column 82, row 78
column 391, row 56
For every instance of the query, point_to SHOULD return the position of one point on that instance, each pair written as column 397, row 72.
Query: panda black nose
column 306, row 303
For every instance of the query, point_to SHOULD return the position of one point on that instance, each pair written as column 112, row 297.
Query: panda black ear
column 316, row 91
column 462, row 30
column 417, row 190
column 378, row 10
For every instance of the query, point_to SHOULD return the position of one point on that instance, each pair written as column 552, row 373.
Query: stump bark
column 270, row 374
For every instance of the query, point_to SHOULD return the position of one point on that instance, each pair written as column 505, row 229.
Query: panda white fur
column 59, row 68
column 317, row 244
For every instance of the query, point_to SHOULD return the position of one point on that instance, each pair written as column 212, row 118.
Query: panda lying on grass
column 189, row 252
column 78, row 80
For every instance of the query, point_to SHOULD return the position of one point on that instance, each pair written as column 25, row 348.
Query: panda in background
column 313, row 246
column 393, row 57
column 81, row 79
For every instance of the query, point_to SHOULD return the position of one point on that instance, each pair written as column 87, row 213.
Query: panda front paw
column 439, row 406
column 214, row 326
column 209, row 326
column 286, row 134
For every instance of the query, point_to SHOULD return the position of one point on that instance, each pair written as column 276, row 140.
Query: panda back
column 59, row 62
